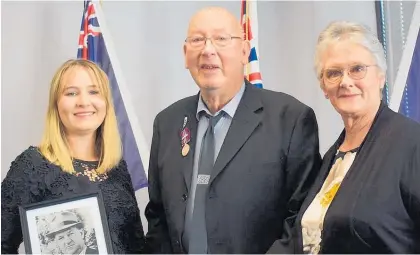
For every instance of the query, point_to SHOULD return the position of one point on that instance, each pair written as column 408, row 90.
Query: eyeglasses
column 220, row 41
column 334, row 75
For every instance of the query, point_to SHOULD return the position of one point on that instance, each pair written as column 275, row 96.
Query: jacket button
column 184, row 197
column 212, row 193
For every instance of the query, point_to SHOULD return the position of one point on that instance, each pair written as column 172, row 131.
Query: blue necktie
column 198, row 232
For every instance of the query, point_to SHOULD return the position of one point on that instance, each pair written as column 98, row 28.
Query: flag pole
column 125, row 94
column 247, row 34
column 404, row 67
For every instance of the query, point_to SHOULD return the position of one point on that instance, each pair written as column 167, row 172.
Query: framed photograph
column 72, row 225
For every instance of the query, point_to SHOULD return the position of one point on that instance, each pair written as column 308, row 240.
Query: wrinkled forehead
column 214, row 21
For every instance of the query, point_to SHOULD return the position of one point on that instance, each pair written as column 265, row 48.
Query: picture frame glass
column 52, row 229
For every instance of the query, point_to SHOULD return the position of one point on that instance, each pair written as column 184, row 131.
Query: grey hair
column 344, row 30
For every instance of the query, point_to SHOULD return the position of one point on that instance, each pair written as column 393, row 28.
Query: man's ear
column 246, row 50
column 83, row 233
column 185, row 56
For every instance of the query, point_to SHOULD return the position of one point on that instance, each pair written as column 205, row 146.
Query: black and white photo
column 66, row 232
column 68, row 226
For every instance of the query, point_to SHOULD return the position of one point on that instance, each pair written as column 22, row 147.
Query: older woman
column 80, row 152
column 366, row 198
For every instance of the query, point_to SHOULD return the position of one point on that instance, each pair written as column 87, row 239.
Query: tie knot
column 213, row 119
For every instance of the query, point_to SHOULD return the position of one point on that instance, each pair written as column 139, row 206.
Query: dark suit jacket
column 268, row 160
column 377, row 208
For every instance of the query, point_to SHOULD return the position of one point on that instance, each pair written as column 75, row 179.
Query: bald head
column 216, row 65
column 218, row 18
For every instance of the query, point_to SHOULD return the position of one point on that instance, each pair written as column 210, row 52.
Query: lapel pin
column 185, row 122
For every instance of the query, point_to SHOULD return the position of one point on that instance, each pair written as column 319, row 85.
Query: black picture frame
column 99, row 222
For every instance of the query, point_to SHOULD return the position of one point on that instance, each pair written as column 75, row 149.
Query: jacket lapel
column 243, row 124
column 192, row 124
column 326, row 167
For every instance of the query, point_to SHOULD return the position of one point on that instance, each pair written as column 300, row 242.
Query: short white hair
column 358, row 33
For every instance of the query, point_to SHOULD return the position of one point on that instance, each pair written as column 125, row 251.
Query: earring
column 326, row 96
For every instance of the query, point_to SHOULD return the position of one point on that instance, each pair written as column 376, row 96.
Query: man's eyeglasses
column 334, row 75
column 220, row 41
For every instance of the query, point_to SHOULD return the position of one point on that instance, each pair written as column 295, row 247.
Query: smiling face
column 351, row 96
column 81, row 106
column 220, row 66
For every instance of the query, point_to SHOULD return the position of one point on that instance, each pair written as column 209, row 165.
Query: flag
column 92, row 47
column 249, row 21
column 410, row 101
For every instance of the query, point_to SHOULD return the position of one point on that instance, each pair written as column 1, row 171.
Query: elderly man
column 229, row 167
column 68, row 234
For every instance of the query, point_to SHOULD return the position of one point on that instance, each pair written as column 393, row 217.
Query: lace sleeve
column 13, row 194
column 137, row 238
column 123, row 212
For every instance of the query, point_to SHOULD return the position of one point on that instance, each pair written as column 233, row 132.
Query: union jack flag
column 249, row 21
column 92, row 47
column 89, row 33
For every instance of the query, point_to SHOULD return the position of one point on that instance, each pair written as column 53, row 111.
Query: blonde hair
column 108, row 144
column 344, row 30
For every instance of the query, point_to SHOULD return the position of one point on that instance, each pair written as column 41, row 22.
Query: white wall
column 148, row 37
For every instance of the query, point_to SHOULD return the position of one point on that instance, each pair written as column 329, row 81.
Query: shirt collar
column 229, row 108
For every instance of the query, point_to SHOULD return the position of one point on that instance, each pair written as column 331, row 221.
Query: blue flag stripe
column 410, row 102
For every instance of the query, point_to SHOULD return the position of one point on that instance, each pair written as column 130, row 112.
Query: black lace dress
column 32, row 179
